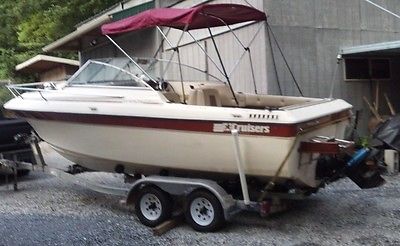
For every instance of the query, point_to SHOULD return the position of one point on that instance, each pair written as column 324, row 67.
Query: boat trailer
column 206, row 205
column 10, row 165
column 175, row 188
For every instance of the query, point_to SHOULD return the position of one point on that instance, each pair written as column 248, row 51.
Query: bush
column 5, row 95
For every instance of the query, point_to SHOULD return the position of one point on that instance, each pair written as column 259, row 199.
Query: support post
column 246, row 49
column 15, row 174
column 284, row 59
column 181, row 75
column 239, row 162
column 37, row 153
column 175, row 50
column 252, row 70
column 223, row 67
column 205, row 52
column 382, row 8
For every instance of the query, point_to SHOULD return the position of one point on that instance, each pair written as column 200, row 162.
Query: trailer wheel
column 153, row 206
column 204, row 211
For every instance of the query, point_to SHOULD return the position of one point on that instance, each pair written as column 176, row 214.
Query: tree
column 28, row 25
column 5, row 95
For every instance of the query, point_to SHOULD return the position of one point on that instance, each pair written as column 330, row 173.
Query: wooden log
column 167, row 225
column 391, row 108
column 377, row 96
column 374, row 112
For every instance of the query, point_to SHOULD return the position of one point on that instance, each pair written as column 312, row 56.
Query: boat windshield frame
column 151, row 60
column 136, row 78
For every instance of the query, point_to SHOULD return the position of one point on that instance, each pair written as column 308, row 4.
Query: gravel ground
column 50, row 211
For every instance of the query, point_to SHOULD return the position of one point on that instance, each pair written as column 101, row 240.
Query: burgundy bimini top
column 202, row 16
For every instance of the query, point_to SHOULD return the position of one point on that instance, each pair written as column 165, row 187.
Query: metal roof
column 132, row 11
column 42, row 62
column 377, row 49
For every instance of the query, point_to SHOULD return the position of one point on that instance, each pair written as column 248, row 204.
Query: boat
column 129, row 115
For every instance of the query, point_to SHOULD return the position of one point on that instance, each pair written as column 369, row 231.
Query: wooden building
column 49, row 68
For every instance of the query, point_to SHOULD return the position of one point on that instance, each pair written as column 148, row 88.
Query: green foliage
column 8, row 35
column 6, row 63
column 363, row 141
column 28, row 25
column 5, row 95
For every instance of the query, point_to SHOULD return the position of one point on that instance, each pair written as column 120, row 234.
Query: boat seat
column 205, row 97
column 223, row 94
column 218, row 94
column 262, row 101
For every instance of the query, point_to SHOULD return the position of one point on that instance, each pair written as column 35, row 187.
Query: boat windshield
column 106, row 74
column 122, row 71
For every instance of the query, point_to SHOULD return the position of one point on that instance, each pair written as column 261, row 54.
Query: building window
column 367, row 69
column 380, row 68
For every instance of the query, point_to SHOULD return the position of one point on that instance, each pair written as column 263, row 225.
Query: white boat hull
column 147, row 150
column 145, row 134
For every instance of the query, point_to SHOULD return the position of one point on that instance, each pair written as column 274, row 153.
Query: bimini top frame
column 202, row 16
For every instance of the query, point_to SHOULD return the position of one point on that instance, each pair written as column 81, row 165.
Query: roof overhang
column 377, row 49
column 71, row 41
column 41, row 63
column 5, row 82
column 91, row 28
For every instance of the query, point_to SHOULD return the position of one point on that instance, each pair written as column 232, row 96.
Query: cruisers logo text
column 245, row 128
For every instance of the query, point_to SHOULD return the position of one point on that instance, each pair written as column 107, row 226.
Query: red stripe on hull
column 252, row 128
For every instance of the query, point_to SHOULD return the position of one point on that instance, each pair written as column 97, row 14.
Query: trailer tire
column 153, row 206
column 204, row 211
